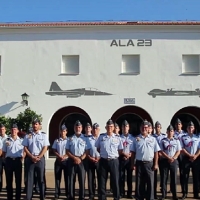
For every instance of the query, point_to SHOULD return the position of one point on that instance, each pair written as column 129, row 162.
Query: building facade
column 97, row 71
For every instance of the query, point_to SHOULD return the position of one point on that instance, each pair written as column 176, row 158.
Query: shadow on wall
column 4, row 109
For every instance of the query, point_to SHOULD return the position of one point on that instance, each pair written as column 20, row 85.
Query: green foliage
column 24, row 119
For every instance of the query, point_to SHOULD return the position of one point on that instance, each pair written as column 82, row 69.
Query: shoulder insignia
column 43, row 132
column 164, row 139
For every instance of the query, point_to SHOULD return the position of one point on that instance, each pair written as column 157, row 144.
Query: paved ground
column 50, row 190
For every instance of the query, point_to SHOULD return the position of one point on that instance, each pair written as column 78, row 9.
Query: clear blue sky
column 103, row 10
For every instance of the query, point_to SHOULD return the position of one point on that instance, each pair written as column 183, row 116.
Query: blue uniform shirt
column 35, row 142
column 170, row 146
column 78, row 145
column 93, row 151
column 109, row 145
column 60, row 146
column 13, row 148
column 3, row 139
column 145, row 147
column 190, row 144
column 159, row 137
column 178, row 135
column 1, row 144
column 127, row 141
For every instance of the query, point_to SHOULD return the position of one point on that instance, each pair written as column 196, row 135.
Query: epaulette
column 164, row 139
column 102, row 133
column 43, row 132
column 87, row 135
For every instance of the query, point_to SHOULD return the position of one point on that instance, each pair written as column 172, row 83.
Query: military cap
column 190, row 124
column 77, row 123
column 88, row 125
column 178, row 121
column 157, row 124
column 2, row 125
column 145, row 123
column 95, row 125
column 63, row 127
column 125, row 123
column 116, row 125
column 150, row 125
column 170, row 128
column 109, row 122
column 14, row 126
column 36, row 120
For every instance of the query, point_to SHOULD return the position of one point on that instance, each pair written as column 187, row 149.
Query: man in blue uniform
column 110, row 147
column 61, row 162
column 1, row 146
column 13, row 153
column 125, row 161
column 150, row 130
column 159, row 136
column 35, row 145
column 145, row 151
column 191, row 150
column 3, row 137
column 178, row 135
column 93, row 164
column 77, row 148
column 170, row 149
column 117, row 129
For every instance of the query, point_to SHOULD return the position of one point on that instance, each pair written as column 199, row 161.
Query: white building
column 96, row 71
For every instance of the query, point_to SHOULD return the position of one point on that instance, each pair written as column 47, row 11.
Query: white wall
column 31, row 60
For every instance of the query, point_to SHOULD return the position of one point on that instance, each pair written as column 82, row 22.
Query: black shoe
column 196, row 197
column 130, row 197
column 184, row 196
column 122, row 195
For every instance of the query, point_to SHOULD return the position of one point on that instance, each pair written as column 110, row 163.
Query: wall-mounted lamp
column 25, row 99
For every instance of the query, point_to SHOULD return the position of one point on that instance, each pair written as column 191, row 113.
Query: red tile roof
column 109, row 23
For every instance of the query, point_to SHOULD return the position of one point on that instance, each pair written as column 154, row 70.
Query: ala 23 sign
column 138, row 43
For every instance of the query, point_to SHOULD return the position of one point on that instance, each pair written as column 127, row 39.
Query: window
column 70, row 64
column 130, row 64
column 190, row 64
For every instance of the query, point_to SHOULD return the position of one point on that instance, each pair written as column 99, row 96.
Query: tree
column 24, row 119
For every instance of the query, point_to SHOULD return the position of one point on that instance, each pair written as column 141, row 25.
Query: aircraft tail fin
column 54, row 87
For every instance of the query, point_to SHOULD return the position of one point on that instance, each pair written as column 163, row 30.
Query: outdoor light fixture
column 25, row 99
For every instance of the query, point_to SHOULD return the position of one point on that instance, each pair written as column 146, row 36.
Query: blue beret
column 63, row 127
column 178, row 121
column 109, row 122
column 190, row 124
column 170, row 128
column 77, row 123
column 116, row 125
column 14, row 126
column 125, row 123
column 35, row 120
column 2, row 125
column 157, row 123
column 145, row 123
column 95, row 125
column 87, row 125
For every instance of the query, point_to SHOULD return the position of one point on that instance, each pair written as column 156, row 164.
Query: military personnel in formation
column 170, row 149
column 150, row 130
column 3, row 137
column 116, row 129
column 110, row 147
column 191, row 150
column 178, row 135
column 159, row 136
column 13, row 153
column 125, row 161
column 77, row 148
column 35, row 145
column 61, row 162
column 93, row 164
column 145, row 151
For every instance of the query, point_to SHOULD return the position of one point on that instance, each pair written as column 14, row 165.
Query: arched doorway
column 134, row 115
column 187, row 114
column 68, row 116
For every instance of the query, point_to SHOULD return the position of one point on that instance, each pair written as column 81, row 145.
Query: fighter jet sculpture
column 55, row 90
column 171, row 92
